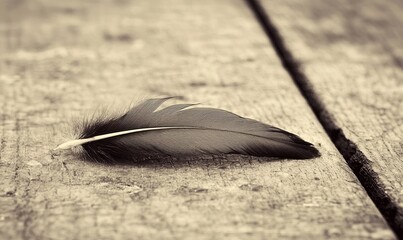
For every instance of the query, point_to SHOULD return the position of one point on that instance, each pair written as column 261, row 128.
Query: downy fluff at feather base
column 183, row 130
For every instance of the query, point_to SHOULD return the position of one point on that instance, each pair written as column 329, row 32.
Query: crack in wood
column 356, row 160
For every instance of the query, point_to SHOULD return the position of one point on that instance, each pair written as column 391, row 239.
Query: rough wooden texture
column 351, row 56
column 62, row 58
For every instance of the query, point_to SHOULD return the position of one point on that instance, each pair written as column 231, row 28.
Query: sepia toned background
column 328, row 71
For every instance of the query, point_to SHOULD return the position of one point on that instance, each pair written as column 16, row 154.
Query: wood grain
column 351, row 55
column 62, row 59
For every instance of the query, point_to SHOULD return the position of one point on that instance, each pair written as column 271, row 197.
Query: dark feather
column 197, row 131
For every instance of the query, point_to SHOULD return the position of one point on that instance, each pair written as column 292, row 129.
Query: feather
column 180, row 130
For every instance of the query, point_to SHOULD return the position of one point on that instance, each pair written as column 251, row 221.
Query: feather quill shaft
column 78, row 142
column 181, row 129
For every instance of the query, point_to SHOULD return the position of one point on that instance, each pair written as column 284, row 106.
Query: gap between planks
column 356, row 160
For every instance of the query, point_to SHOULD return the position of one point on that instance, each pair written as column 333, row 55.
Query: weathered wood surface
column 351, row 54
column 63, row 58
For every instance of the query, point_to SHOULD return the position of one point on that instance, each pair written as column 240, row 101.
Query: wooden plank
column 351, row 55
column 60, row 59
